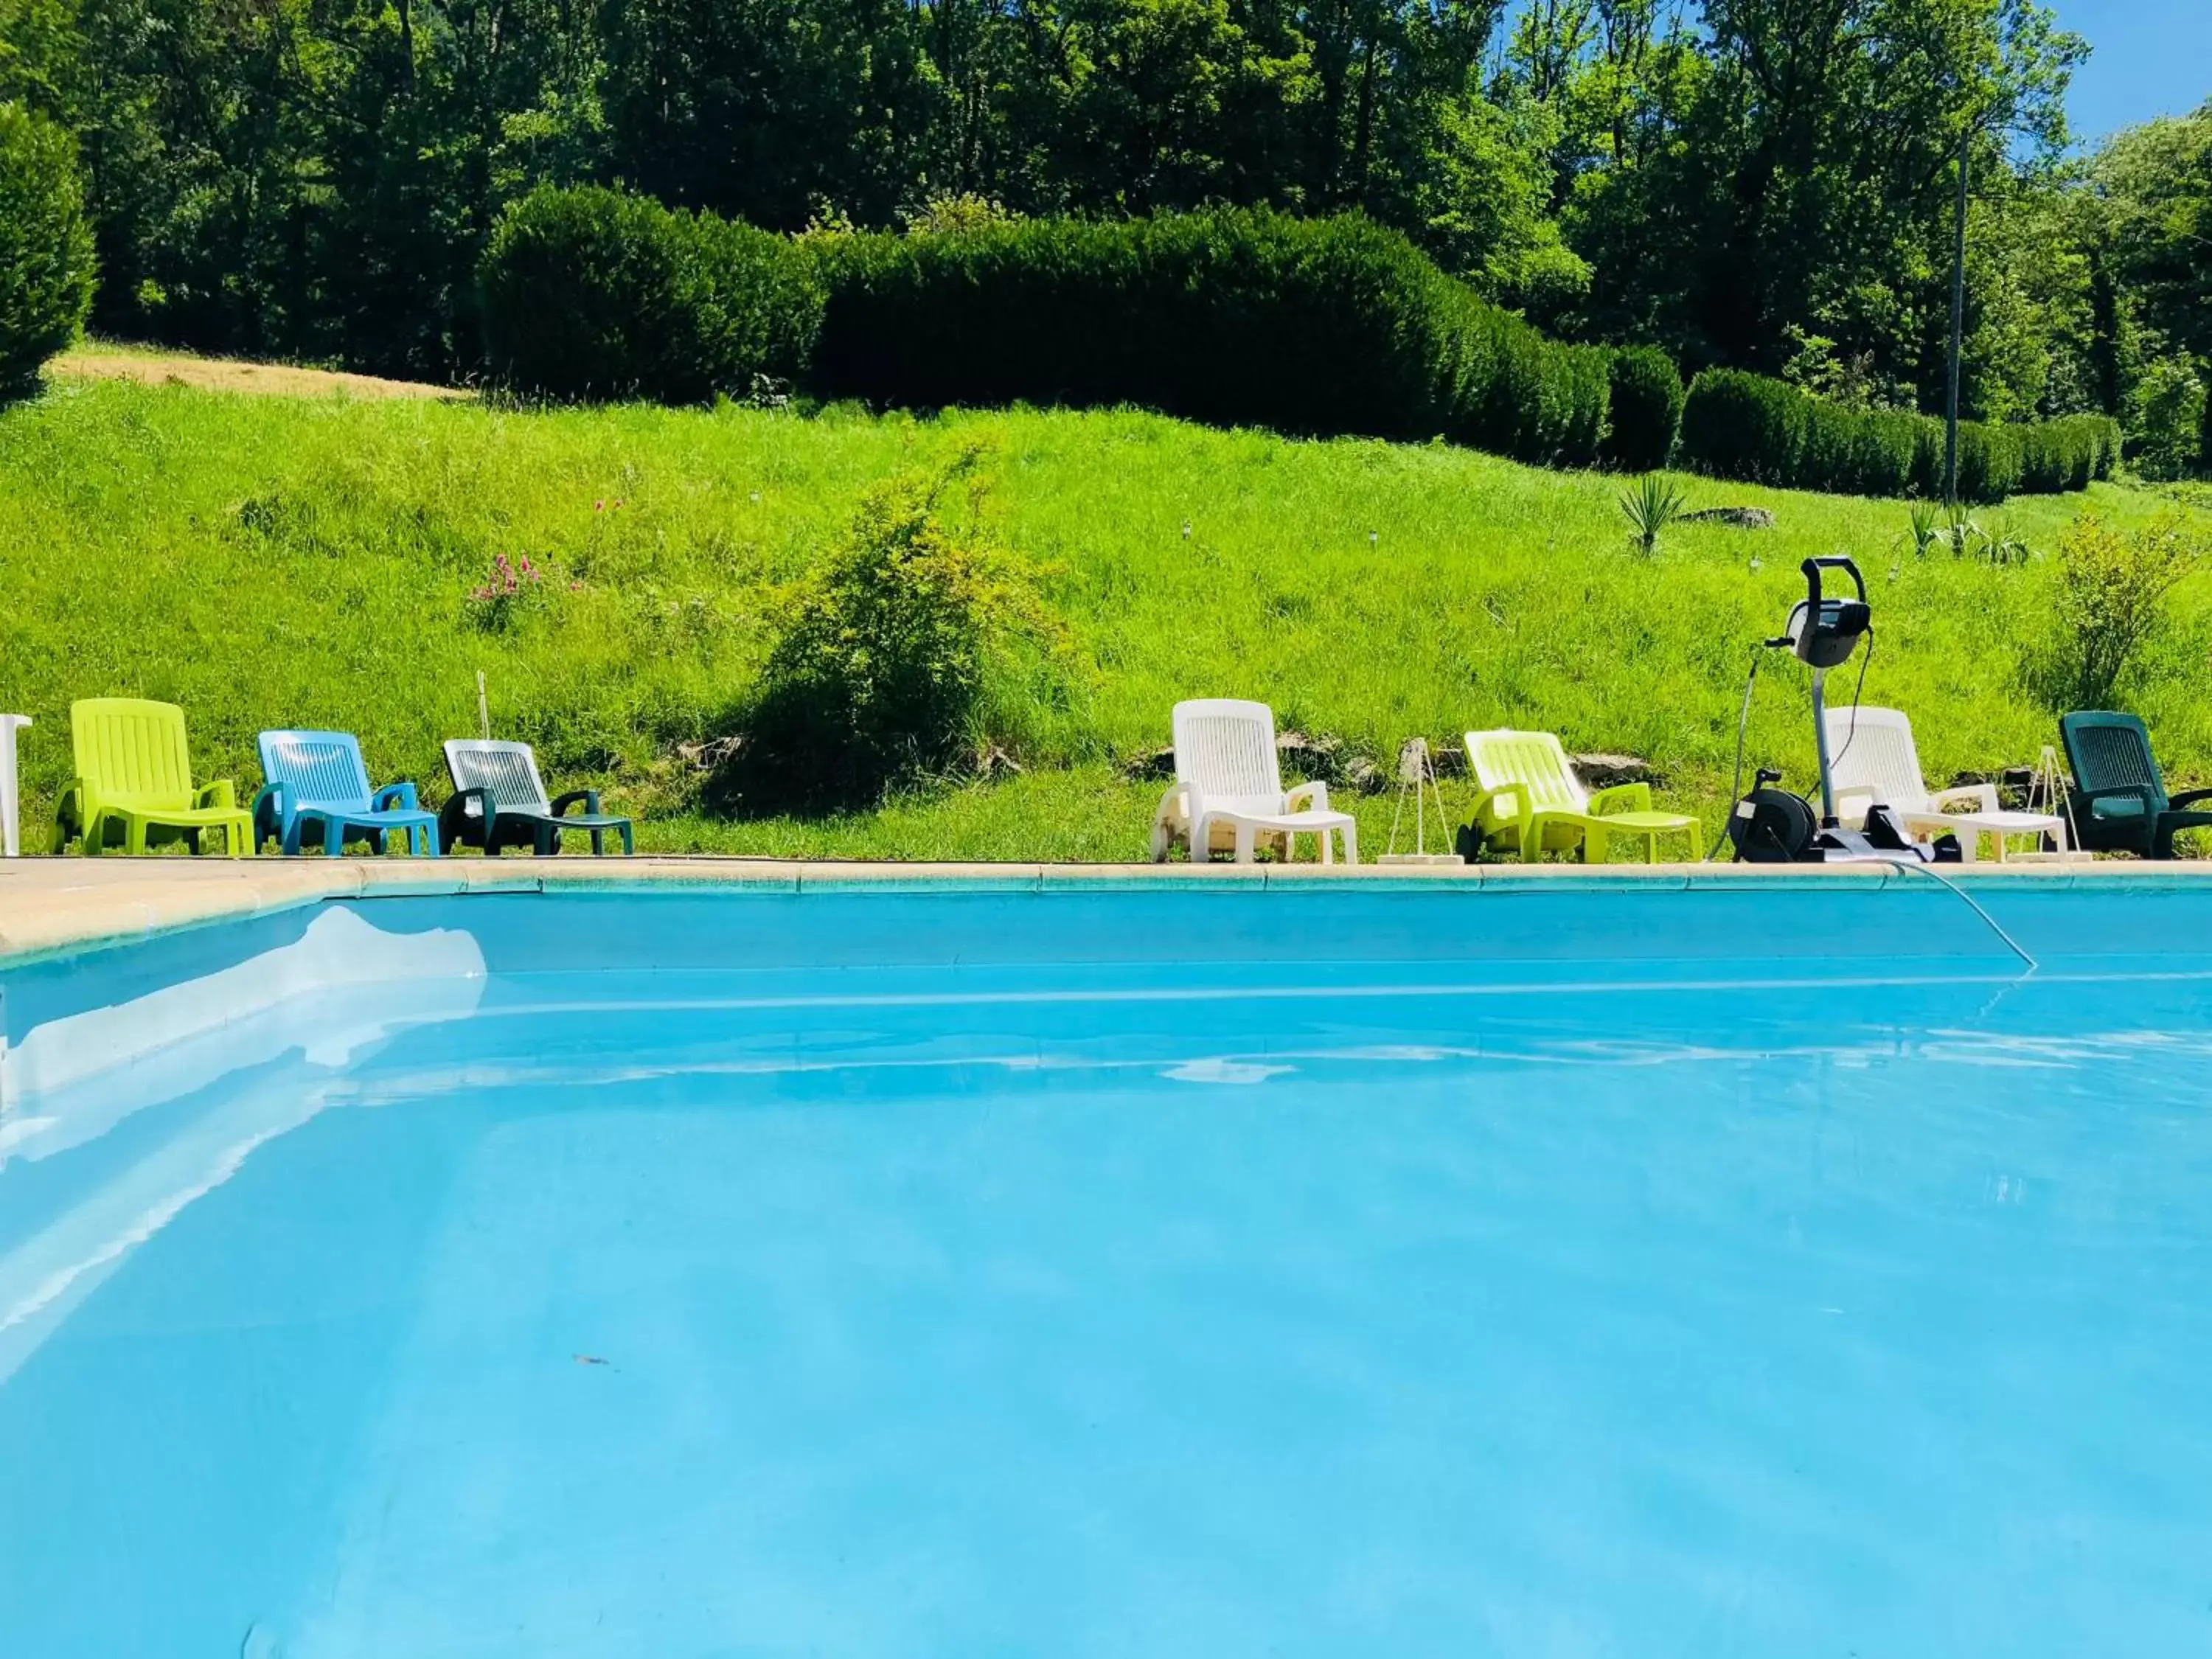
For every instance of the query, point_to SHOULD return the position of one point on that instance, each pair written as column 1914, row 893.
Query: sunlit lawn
column 276, row 561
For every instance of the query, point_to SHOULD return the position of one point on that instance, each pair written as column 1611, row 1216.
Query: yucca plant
column 1925, row 533
column 1958, row 532
column 2002, row 545
column 1650, row 505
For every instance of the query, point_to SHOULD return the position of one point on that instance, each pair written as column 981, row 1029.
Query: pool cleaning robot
column 1773, row 826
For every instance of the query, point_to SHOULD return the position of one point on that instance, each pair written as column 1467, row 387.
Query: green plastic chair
column 134, row 783
column 2120, row 802
column 1531, row 803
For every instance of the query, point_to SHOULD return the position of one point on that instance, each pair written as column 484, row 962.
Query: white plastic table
column 10, row 842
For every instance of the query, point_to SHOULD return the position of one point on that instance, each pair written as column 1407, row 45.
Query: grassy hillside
column 272, row 560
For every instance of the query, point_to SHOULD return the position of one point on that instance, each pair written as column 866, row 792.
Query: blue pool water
column 1162, row 1273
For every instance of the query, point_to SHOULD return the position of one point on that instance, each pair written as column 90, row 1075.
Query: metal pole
column 1821, row 737
column 1958, row 329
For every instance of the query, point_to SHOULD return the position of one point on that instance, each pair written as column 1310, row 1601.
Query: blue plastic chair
column 317, row 781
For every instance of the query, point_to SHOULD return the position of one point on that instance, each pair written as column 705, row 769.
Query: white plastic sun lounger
column 1876, row 763
column 1229, row 787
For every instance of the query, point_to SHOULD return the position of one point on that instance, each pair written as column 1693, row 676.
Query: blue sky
column 2152, row 57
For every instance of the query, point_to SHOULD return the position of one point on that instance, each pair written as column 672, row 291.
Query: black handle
column 1812, row 567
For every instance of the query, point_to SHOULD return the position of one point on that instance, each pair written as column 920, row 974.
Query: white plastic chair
column 11, row 844
column 1229, row 781
column 1876, row 763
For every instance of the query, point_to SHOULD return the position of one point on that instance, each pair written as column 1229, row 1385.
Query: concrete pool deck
column 53, row 904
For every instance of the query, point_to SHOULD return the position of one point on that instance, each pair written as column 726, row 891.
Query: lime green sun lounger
column 134, row 783
column 1531, row 803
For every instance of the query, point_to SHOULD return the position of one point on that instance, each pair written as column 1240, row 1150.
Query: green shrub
column 1228, row 316
column 2111, row 444
column 1989, row 461
column 2043, row 460
column 1825, row 460
column 1887, row 451
column 2066, row 453
column 1645, row 411
column 1231, row 316
column 1736, row 425
column 2167, row 412
column 885, row 674
column 45, row 246
column 591, row 293
column 2108, row 604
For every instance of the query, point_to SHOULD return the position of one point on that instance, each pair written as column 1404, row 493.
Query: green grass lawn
column 276, row 561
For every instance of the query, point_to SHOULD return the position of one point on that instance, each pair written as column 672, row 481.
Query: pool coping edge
column 51, row 907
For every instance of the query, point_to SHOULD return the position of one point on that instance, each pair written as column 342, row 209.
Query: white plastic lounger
column 10, row 840
column 1876, row 763
column 1229, row 788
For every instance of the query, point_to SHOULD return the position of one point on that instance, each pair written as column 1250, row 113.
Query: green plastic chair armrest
column 1498, row 811
column 1621, row 798
column 222, row 792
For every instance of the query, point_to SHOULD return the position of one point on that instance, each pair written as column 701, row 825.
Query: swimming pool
column 1590, row 1268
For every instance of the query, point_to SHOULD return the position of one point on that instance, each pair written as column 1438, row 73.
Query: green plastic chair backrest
column 132, row 752
column 1532, row 759
column 2113, row 752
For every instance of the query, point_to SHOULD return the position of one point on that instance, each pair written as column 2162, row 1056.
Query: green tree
column 45, row 246
column 2152, row 188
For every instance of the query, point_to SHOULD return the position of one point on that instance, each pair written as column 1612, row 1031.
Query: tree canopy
column 1765, row 184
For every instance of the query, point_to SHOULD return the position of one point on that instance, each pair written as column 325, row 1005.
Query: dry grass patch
column 102, row 361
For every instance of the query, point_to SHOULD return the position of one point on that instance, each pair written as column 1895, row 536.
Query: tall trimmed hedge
column 45, row 246
column 1645, row 410
column 1737, row 425
column 1331, row 326
column 591, row 293
column 1236, row 316
column 1232, row 315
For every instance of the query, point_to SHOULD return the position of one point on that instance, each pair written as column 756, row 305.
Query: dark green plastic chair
column 499, row 801
column 2120, row 803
